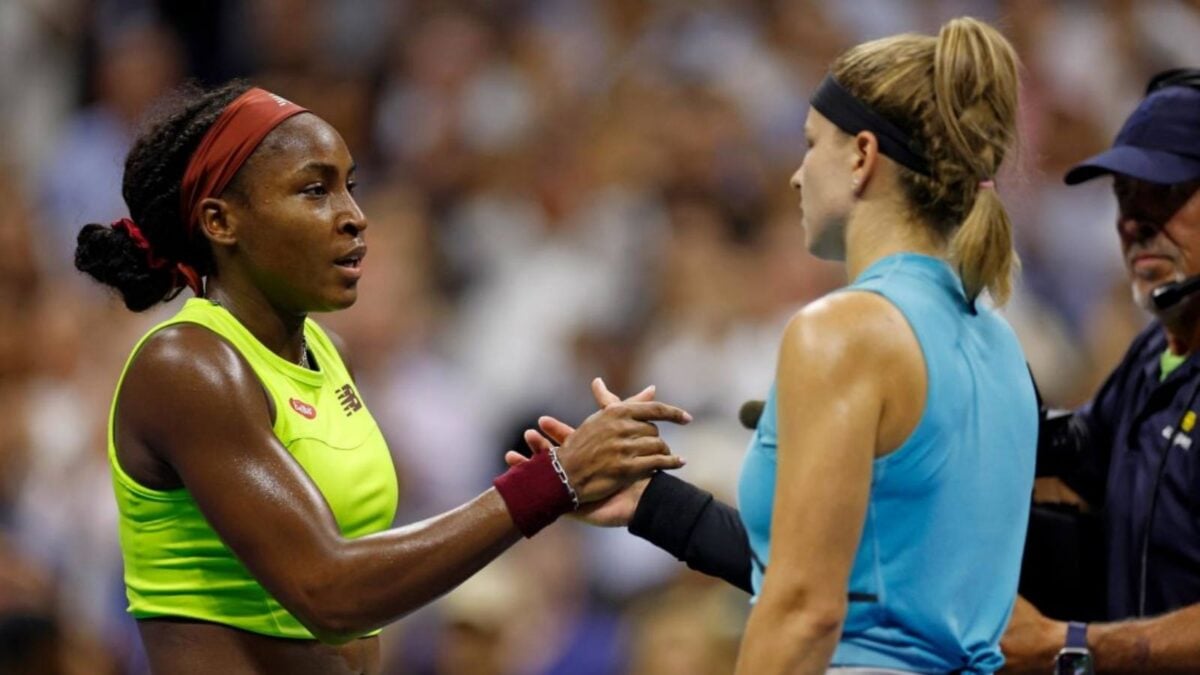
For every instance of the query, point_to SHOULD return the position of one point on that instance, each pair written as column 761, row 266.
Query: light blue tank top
column 935, row 575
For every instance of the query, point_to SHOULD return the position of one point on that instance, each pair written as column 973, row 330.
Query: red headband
column 227, row 145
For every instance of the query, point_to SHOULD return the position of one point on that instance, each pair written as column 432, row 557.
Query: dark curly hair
column 151, row 184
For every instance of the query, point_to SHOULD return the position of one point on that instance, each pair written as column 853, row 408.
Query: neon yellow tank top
column 176, row 565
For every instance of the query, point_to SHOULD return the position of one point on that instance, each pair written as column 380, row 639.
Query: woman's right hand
column 617, row 509
column 618, row 445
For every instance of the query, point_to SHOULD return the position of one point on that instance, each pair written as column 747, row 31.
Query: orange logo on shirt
column 303, row 408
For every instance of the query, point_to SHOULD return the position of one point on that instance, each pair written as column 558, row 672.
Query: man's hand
column 616, row 510
column 1031, row 640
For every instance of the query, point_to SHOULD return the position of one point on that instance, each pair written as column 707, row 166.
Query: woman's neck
column 877, row 230
column 281, row 332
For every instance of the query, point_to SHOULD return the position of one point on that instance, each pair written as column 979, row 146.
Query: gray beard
column 1141, row 299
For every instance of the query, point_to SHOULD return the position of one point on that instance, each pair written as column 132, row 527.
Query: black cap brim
column 1153, row 166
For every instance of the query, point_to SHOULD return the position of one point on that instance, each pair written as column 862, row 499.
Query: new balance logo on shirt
column 349, row 398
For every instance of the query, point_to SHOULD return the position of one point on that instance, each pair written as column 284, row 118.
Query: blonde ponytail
column 975, row 91
column 982, row 249
column 957, row 94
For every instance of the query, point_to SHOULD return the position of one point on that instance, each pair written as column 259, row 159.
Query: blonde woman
column 885, row 494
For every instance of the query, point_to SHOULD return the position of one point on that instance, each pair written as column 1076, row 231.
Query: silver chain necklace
column 303, row 362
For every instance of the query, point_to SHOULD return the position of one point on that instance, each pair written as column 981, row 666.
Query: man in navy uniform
column 1129, row 452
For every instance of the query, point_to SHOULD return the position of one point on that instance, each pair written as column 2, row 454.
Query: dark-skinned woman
column 254, row 488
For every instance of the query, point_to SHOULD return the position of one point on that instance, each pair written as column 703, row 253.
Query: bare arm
column 1163, row 644
column 831, row 389
column 192, row 402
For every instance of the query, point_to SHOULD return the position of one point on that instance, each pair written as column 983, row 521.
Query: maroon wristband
column 534, row 494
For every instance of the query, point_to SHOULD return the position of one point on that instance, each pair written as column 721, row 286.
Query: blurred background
column 557, row 189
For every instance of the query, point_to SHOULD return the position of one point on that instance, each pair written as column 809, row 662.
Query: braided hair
column 151, row 183
column 957, row 92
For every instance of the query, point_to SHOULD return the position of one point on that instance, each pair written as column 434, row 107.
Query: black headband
column 852, row 115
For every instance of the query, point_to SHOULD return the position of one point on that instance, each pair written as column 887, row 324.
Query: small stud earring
column 855, row 183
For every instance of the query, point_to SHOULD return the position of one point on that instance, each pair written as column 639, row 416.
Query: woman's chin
column 343, row 299
column 824, row 249
column 347, row 299
column 825, row 243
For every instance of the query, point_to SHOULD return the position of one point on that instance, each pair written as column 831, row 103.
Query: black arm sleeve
column 691, row 525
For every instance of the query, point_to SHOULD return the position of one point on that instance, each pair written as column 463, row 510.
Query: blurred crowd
column 556, row 189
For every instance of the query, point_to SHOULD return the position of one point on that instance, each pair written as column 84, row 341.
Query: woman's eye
column 351, row 186
column 317, row 190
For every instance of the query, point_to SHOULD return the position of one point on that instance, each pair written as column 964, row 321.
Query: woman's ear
column 864, row 158
column 217, row 222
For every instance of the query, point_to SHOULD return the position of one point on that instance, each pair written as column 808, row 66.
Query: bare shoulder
column 856, row 349
column 852, row 328
column 185, row 377
column 191, row 356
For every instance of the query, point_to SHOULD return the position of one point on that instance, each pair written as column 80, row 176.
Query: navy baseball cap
column 1160, row 142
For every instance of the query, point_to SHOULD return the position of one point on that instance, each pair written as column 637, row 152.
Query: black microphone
column 1168, row 295
column 750, row 412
